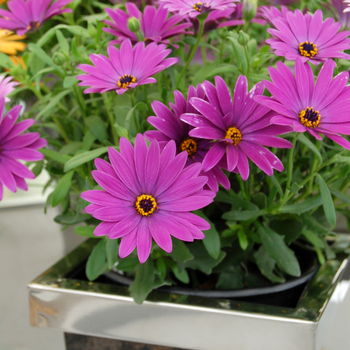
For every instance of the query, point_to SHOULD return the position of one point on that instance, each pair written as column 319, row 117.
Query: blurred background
column 30, row 242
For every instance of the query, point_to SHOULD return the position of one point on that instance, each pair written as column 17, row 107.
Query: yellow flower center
column 234, row 134
column 146, row 205
column 307, row 49
column 189, row 145
column 310, row 118
column 125, row 81
column 198, row 6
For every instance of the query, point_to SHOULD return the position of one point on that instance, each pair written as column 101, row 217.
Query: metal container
column 187, row 322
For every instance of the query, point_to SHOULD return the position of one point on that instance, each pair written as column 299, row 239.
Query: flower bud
column 59, row 58
column 92, row 30
column 249, row 9
column 243, row 38
column 133, row 24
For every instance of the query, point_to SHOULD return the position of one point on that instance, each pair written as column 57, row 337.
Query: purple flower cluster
column 155, row 24
column 28, row 15
column 148, row 194
column 308, row 37
column 125, row 68
column 15, row 147
column 320, row 108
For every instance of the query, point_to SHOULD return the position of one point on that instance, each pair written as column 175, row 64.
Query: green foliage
column 253, row 225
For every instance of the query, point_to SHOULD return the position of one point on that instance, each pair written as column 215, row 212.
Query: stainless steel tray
column 186, row 322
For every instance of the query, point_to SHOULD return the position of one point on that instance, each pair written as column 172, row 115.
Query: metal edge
column 309, row 309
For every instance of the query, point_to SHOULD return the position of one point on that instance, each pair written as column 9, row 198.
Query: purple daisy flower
column 6, row 87
column 170, row 127
column 318, row 109
column 14, row 147
column 239, row 127
column 148, row 195
column 125, row 69
column 194, row 8
column 271, row 13
column 309, row 37
column 221, row 18
column 136, row 2
column 155, row 24
column 28, row 15
column 342, row 16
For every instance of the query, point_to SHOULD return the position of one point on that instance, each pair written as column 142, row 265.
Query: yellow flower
column 2, row 1
column 8, row 43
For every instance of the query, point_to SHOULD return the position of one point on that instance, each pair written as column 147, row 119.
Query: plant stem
column 62, row 131
column 110, row 118
column 194, row 49
column 290, row 169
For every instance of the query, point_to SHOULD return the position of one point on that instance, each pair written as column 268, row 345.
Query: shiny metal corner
column 186, row 322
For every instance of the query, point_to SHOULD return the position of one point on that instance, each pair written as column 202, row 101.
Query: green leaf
column 62, row 188
column 41, row 54
column 68, row 219
column 296, row 188
column 328, row 205
column 232, row 279
column 51, row 154
column 143, row 282
column 313, row 238
column 277, row 184
column 121, row 131
column 303, row 139
column 240, row 202
column 140, row 106
column 127, row 264
column 243, row 239
column 97, row 262
column 267, row 265
column 84, row 158
column 212, row 239
column 243, row 215
column 289, row 228
column 85, row 231
column 180, row 251
column 62, row 41
column 97, row 127
column 78, row 30
column 37, row 169
column 202, row 260
column 53, row 102
column 342, row 196
column 180, row 275
column 111, row 252
column 341, row 159
column 5, row 61
column 302, row 207
column 277, row 249
column 88, row 140
column 69, row 81
column 161, row 269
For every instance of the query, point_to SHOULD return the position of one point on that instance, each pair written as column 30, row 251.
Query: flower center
column 33, row 26
column 125, row 81
column 198, row 6
column 145, row 205
column 189, row 145
column 309, row 117
column 307, row 49
column 234, row 134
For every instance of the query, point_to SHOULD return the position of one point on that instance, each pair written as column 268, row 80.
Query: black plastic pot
column 285, row 294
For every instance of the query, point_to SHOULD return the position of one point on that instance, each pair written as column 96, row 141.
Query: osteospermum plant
column 192, row 141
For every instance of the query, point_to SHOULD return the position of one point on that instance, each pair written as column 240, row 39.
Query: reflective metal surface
column 185, row 321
